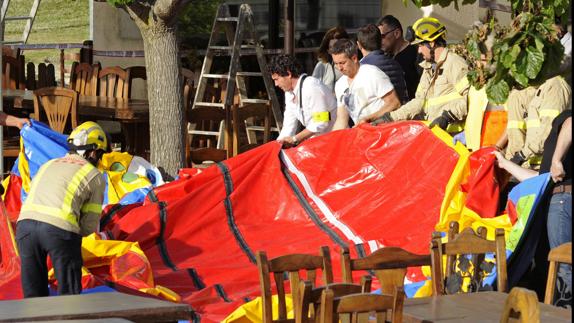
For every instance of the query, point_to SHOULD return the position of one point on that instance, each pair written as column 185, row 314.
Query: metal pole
column 289, row 33
column 273, row 30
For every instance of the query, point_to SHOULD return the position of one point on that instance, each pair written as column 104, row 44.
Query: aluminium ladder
column 29, row 21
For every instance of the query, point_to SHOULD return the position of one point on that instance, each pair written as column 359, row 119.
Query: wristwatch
column 295, row 141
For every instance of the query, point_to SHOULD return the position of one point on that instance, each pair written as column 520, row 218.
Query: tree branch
column 138, row 11
column 166, row 9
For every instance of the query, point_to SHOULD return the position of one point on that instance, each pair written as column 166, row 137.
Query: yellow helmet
column 88, row 136
column 427, row 29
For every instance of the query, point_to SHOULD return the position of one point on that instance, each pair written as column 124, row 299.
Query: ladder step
column 249, row 74
column 228, row 19
column 204, row 133
column 216, row 76
column 228, row 48
column 263, row 101
column 18, row 18
column 13, row 42
column 209, row 104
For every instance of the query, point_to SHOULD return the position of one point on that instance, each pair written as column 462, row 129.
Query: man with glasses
column 364, row 92
column 307, row 100
column 395, row 46
column 441, row 96
column 369, row 43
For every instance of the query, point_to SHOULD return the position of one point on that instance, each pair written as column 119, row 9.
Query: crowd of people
column 420, row 78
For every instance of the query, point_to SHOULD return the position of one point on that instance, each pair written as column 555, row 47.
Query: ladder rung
column 216, row 76
column 13, row 42
column 249, row 74
column 261, row 128
column 19, row 18
column 255, row 101
column 230, row 47
column 204, row 133
column 227, row 19
column 209, row 104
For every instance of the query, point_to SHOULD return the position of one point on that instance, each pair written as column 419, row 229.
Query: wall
column 114, row 30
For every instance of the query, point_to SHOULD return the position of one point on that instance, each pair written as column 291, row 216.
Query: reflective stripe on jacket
column 66, row 192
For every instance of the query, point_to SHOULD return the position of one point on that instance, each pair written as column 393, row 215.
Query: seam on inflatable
column 329, row 216
column 227, row 181
column 221, row 293
column 309, row 210
column 195, row 278
column 160, row 240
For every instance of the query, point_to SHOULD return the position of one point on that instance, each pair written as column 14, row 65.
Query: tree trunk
column 166, row 115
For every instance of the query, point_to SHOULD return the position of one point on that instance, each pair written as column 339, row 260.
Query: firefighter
column 530, row 115
column 441, row 96
column 64, row 204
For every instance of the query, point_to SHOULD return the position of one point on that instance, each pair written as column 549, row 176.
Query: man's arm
column 92, row 208
column 297, row 139
column 392, row 103
column 12, row 121
column 342, row 121
column 562, row 145
column 520, row 173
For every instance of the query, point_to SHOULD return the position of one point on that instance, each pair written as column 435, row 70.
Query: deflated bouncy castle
column 194, row 240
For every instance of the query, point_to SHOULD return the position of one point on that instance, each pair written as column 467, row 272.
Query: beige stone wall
column 457, row 22
column 113, row 29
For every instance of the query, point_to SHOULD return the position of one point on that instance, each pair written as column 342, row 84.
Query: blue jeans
column 559, row 232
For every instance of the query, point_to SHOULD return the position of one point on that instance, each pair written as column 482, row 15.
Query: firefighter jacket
column 530, row 115
column 443, row 87
column 67, row 193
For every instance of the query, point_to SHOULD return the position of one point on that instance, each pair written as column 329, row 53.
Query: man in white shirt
column 364, row 92
column 307, row 100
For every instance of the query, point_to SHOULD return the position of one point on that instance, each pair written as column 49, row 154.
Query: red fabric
column 10, row 286
column 13, row 200
column 482, row 184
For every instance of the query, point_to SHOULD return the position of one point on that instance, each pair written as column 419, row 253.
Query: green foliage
column 197, row 18
column 517, row 56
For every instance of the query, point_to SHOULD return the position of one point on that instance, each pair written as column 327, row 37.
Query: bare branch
column 166, row 9
column 139, row 11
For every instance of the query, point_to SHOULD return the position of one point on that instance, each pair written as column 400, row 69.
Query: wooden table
column 133, row 114
column 467, row 308
column 93, row 306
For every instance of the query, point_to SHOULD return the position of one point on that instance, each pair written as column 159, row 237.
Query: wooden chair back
column 207, row 122
column 559, row 255
column 389, row 265
column 308, row 308
column 466, row 251
column 113, row 82
column 84, row 78
column 333, row 307
column 521, row 304
column 59, row 105
column 134, row 73
column 291, row 265
column 12, row 69
column 241, row 114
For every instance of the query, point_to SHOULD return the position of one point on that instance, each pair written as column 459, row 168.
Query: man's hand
column 557, row 171
column 288, row 142
column 20, row 122
column 441, row 122
column 386, row 117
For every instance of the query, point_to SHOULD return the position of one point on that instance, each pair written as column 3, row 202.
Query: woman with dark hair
column 325, row 69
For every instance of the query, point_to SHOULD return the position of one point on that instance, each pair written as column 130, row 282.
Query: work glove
column 460, row 137
column 442, row 121
column 386, row 117
column 518, row 158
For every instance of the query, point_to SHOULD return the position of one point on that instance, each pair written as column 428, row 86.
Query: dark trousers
column 36, row 240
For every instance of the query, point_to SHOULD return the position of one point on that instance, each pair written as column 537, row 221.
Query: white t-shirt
column 319, row 108
column 365, row 94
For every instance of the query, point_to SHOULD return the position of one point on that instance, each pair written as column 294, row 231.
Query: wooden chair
column 12, row 69
column 521, row 304
column 241, row 114
column 57, row 104
column 135, row 73
column 206, row 123
column 290, row 264
column 308, row 308
column 457, row 250
column 113, row 82
column 84, row 78
column 189, row 86
column 559, row 255
column 389, row 265
column 332, row 307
